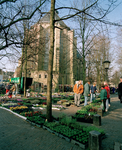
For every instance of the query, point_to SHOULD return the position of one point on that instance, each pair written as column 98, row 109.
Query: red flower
column 44, row 103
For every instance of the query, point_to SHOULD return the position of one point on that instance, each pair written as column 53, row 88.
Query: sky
column 114, row 16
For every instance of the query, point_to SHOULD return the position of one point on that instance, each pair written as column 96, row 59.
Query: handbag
column 102, row 105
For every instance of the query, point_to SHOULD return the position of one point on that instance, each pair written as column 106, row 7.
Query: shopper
column 93, row 90
column 120, row 90
column 103, row 97
column 108, row 95
column 78, row 90
column 13, row 89
column 7, row 87
column 86, row 92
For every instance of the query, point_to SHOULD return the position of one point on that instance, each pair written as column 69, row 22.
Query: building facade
column 66, row 62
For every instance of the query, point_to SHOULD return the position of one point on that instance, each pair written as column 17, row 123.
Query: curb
column 46, row 128
column 14, row 113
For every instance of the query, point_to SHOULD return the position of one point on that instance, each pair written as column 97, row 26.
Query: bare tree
column 11, row 13
column 100, row 52
column 14, row 17
column 50, row 65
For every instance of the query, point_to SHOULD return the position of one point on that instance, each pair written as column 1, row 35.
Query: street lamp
column 74, row 80
column 106, row 64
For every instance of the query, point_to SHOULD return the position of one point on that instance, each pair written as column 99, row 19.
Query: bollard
column 94, row 140
column 97, row 120
column 100, row 111
column 117, row 146
column 120, row 146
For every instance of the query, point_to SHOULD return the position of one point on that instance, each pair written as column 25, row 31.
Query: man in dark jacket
column 120, row 90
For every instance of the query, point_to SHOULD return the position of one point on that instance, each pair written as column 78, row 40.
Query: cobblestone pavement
column 17, row 134
column 112, row 123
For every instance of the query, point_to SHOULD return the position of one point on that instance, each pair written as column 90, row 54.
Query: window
column 45, row 76
column 39, row 75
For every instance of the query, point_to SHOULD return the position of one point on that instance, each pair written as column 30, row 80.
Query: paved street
column 112, row 123
column 17, row 134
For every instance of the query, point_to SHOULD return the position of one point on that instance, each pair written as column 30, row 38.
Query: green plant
column 35, row 101
column 82, row 111
column 36, row 119
column 67, row 120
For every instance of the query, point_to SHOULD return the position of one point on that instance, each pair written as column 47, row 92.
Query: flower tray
column 85, row 120
column 44, row 108
column 83, row 146
column 64, row 137
column 67, row 105
column 18, row 96
column 51, row 131
column 56, row 108
column 38, row 125
column 35, row 107
column 28, row 120
column 33, row 123
column 48, row 129
column 57, row 134
column 81, row 102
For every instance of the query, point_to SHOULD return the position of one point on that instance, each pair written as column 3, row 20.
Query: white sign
column 1, row 79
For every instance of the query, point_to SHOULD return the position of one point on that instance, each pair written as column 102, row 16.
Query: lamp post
column 106, row 64
column 74, row 80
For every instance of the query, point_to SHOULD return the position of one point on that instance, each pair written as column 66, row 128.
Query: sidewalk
column 17, row 134
column 112, row 123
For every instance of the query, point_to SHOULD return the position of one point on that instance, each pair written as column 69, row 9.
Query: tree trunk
column 25, row 60
column 63, row 83
column 83, row 50
column 25, row 71
column 50, row 64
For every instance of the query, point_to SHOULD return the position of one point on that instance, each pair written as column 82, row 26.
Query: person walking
column 108, row 95
column 7, row 87
column 103, row 96
column 86, row 92
column 93, row 90
column 120, row 90
column 78, row 90
column 13, row 89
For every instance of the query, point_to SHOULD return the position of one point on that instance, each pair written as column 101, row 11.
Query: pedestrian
column 93, row 90
column 78, row 90
column 13, row 89
column 108, row 95
column 120, row 90
column 86, row 92
column 7, row 87
column 113, row 90
column 103, row 96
